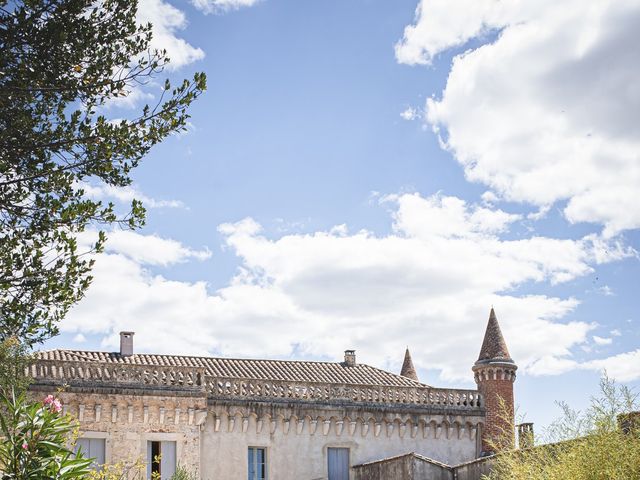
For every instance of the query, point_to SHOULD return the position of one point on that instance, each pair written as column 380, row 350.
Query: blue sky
column 374, row 174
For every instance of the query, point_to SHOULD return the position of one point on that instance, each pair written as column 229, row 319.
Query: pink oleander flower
column 48, row 400
column 56, row 406
column 25, row 446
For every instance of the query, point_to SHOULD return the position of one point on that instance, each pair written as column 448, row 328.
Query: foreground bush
column 590, row 445
column 35, row 441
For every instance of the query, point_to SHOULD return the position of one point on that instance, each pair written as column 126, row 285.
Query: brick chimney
column 350, row 358
column 494, row 373
column 126, row 344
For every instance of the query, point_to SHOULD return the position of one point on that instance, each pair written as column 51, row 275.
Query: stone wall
column 128, row 421
column 405, row 467
column 473, row 470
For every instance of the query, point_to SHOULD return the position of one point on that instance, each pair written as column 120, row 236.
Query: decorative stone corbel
column 365, row 429
column 190, row 412
column 339, row 427
column 81, row 412
column 473, row 431
column 176, row 418
column 390, row 426
column 313, row 426
column 129, row 413
column 259, row 424
column 461, row 431
column 216, row 424
column 376, row 429
column 232, row 423
column 98, row 409
column 352, row 427
column 438, row 431
column 145, row 414
column 286, row 426
column 114, row 413
column 325, row 427
column 245, row 424
column 299, row 425
column 200, row 417
column 450, row 431
column 403, row 430
column 161, row 415
column 274, row 425
column 414, row 431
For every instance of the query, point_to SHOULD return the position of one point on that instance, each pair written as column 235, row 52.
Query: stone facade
column 216, row 410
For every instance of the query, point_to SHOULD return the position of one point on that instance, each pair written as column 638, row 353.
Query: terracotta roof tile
column 288, row 370
column 408, row 370
column 494, row 348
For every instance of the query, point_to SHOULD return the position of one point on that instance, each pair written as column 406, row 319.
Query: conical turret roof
column 494, row 348
column 408, row 370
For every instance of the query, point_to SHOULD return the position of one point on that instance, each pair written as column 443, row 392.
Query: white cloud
column 126, row 195
column 167, row 20
column 624, row 367
column 317, row 294
column 410, row 113
column 221, row 6
column 144, row 249
column 79, row 338
column 615, row 332
column 606, row 290
column 547, row 109
column 602, row 340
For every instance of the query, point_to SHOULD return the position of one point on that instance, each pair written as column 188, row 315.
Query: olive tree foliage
column 594, row 444
column 61, row 63
column 15, row 359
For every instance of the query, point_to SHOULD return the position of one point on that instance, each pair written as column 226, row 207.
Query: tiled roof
column 287, row 370
column 408, row 370
column 494, row 347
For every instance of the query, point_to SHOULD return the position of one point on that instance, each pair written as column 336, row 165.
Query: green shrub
column 587, row 445
column 35, row 441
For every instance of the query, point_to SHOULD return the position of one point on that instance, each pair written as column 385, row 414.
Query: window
column 92, row 448
column 161, row 460
column 257, row 463
column 338, row 463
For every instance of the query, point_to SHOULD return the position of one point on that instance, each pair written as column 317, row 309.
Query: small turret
column 495, row 372
column 408, row 370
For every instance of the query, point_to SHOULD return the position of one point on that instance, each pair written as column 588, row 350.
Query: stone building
column 231, row 419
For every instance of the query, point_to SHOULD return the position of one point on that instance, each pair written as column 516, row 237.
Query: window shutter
column 338, row 463
column 167, row 459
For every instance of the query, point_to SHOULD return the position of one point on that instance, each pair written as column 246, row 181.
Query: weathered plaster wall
column 297, row 438
column 212, row 439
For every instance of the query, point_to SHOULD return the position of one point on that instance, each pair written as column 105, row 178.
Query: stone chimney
column 525, row 435
column 350, row 358
column 126, row 344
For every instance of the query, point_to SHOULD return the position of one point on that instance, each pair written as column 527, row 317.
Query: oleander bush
column 35, row 442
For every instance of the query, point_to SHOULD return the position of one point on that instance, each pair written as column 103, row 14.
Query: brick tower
column 495, row 372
